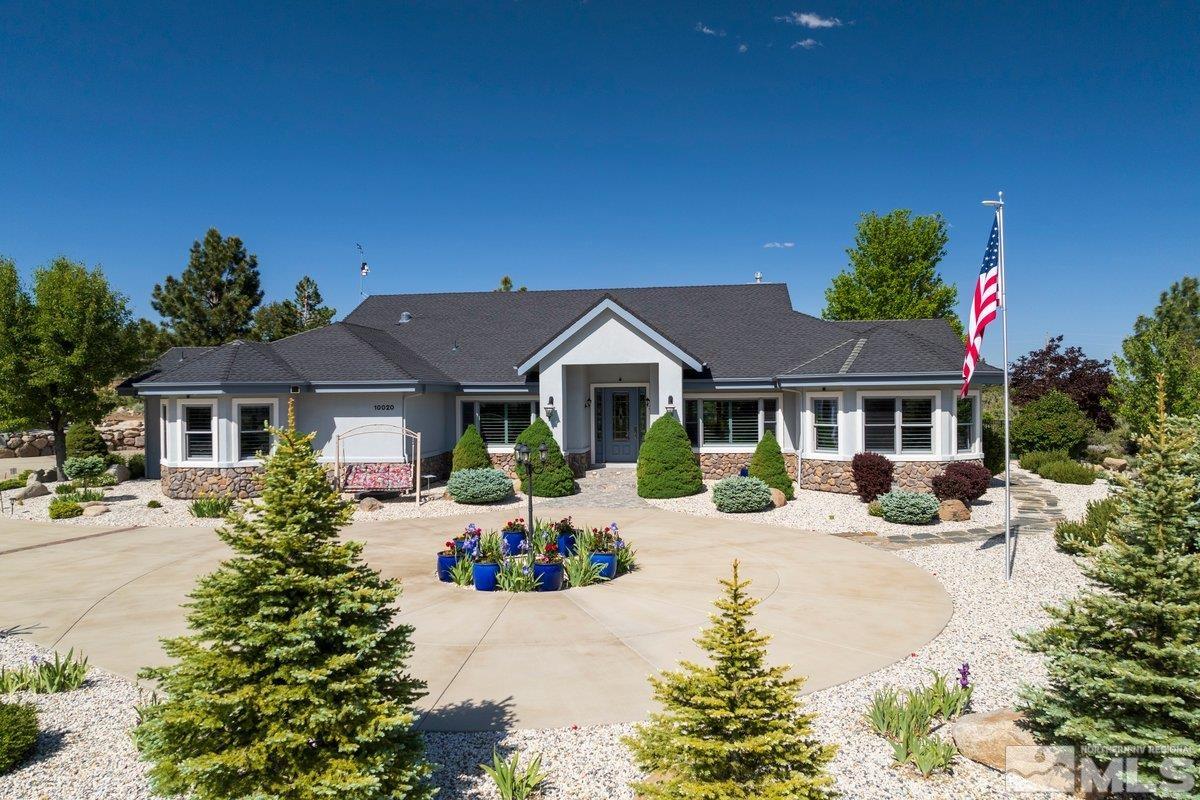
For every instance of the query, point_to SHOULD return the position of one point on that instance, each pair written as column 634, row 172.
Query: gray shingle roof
column 738, row 331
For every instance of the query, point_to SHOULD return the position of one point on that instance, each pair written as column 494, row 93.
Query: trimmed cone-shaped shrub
column 733, row 728
column 741, row 495
column 18, row 733
column 1051, row 422
column 470, row 452
column 84, row 440
column 872, row 475
column 962, row 480
column 768, row 466
column 552, row 478
column 666, row 465
column 293, row 682
column 1123, row 656
column 479, row 486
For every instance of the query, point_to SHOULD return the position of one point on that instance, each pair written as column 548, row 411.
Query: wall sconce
column 670, row 403
column 550, row 406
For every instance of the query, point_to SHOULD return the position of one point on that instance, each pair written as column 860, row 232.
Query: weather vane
column 363, row 269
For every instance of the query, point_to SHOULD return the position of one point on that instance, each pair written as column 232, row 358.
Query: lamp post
column 524, row 460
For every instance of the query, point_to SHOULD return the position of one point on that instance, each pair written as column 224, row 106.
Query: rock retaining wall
column 188, row 483
column 836, row 476
column 715, row 466
column 125, row 434
column 507, row 463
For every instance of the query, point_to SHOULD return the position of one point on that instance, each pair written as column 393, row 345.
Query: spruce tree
column 767, row 464
column 553, row 478
column 666, row 465
column 470, row 452
column 292, row 682
column 1123, row 657
column 734, row 729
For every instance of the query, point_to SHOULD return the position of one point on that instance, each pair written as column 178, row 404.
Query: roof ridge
column 853, row 355
column 578, row 289
column 392, row 340
column 814, row 358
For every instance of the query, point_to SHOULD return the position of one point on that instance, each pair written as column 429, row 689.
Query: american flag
column 984, row 304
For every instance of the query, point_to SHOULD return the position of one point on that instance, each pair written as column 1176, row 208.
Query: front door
column 619, row 424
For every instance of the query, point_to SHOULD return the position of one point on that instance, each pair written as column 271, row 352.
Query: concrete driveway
column 836, row 609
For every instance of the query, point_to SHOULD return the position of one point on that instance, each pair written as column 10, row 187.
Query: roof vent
column 758, row 277
column 405, row 317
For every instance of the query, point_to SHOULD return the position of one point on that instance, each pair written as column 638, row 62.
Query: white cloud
column 807, row 44
column 707, row 31
column 772, row 245
column 743, row 47
column 807, row 19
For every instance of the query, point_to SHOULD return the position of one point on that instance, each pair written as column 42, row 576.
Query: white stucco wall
column 610, row 349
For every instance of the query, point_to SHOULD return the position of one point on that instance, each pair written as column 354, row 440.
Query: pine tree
column 768, row 466
column 213, row 301
column 733, row 730
column 292, row 683
column 1123, row 657
column 285, row 318
column 470, row 452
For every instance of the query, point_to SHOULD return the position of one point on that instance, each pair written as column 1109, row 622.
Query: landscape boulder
column 778, row 498
column 1115, row 464
column 369, row 504
column 46, row 475
column 953, row 511
column 120, row 472
column 95, row 510
column 34, row 489
column 983, row 737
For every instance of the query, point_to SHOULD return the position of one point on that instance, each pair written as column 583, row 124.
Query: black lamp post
column 524, row 460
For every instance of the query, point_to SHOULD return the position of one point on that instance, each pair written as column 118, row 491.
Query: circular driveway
column 835, row 609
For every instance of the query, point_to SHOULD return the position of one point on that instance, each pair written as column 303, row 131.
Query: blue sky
column 605, row 143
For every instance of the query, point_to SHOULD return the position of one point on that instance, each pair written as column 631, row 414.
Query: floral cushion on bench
column 392, row 477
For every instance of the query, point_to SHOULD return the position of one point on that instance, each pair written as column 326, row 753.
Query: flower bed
column 547, row 557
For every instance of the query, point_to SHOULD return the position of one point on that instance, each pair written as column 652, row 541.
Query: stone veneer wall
column 714, row 466
column 125, row 434
column 836, row 476
column 507, row 463
column 188, row 483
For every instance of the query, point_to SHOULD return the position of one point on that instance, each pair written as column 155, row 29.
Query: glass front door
column 620, row 423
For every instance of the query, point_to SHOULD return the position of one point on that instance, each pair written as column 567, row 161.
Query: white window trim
column 214, row 422
column 976, row 449
column 734, row 448
column 935, row 454
column 164, row 431
column 492, row 398
column 809, row 427
column 235, row 422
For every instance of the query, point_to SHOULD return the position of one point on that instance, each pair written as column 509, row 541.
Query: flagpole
column 1003, row 306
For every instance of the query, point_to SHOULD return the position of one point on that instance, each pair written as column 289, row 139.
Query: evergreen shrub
column 1079, row 538
column 666, row 465
column 552, row 478
column 908, row 508
column 65, row 507
column 84, row 440
column 993, row 444
column 137, row 466
column 18, row 734
column 741, row 495
column 479, row 486
column 873, row 475
column 1036, row 458
column 470, row 452
column 768, row 465
column 1051, row 422
column 1068, row 472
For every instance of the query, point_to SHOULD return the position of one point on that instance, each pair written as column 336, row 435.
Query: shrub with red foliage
column 872, row 475
column 965, row 481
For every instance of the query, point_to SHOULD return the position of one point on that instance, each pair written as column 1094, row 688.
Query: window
column 163, row 441
column 966, row 425
column 728, row 422
column 825, row 424
column 768, row 412
column 197, row 433
column 502, row 423
column 253, row 437
column 691, row 421
column 898, row 424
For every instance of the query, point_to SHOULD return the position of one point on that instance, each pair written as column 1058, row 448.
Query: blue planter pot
column 513, row 540
column 485, row 576
column 548, row 576
column 608, row 562
column 445, row 563
column 459, row 544
column 566, row 544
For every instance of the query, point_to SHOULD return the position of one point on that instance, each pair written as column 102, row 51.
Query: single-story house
column 599, row 365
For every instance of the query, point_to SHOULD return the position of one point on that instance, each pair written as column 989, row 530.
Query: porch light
column 670, row 402
column 523, row 452
column 550, row 405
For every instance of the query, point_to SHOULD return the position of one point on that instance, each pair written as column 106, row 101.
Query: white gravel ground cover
column 127, row 506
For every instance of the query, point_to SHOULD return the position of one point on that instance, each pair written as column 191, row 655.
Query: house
column 600, row 365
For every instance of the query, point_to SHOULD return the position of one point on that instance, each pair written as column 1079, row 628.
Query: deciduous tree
column 213, row 300
column 893, row 271
column 1085, row 380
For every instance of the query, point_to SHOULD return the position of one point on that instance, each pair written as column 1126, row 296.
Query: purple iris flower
column 964, row 675
column 523, row 547
column 504, row 547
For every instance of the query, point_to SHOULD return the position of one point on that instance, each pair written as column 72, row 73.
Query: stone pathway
column 1035, row 510
column 607, row 487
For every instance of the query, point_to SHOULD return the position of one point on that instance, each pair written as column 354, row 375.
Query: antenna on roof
column 363, row 270
column 758, row 277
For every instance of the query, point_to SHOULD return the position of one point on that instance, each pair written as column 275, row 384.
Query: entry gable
column 610, row 305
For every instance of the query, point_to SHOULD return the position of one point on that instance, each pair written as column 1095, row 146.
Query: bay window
column 965, row 427
column 198, row 440
column 898, row 424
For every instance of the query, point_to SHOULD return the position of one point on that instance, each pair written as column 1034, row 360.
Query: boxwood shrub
column 1051, row 422
column 908, row 508
column 470, row 452
column 15, row 482
column 872, row 475
column 137, row 466
column 84, row 440
column 65, row 507
column 666, row 465
column 768, row 466
column 553, row 478
column 741, row 495
column 962, row 480
column 18, row 734
column 1068, row 472
column 487, row 485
